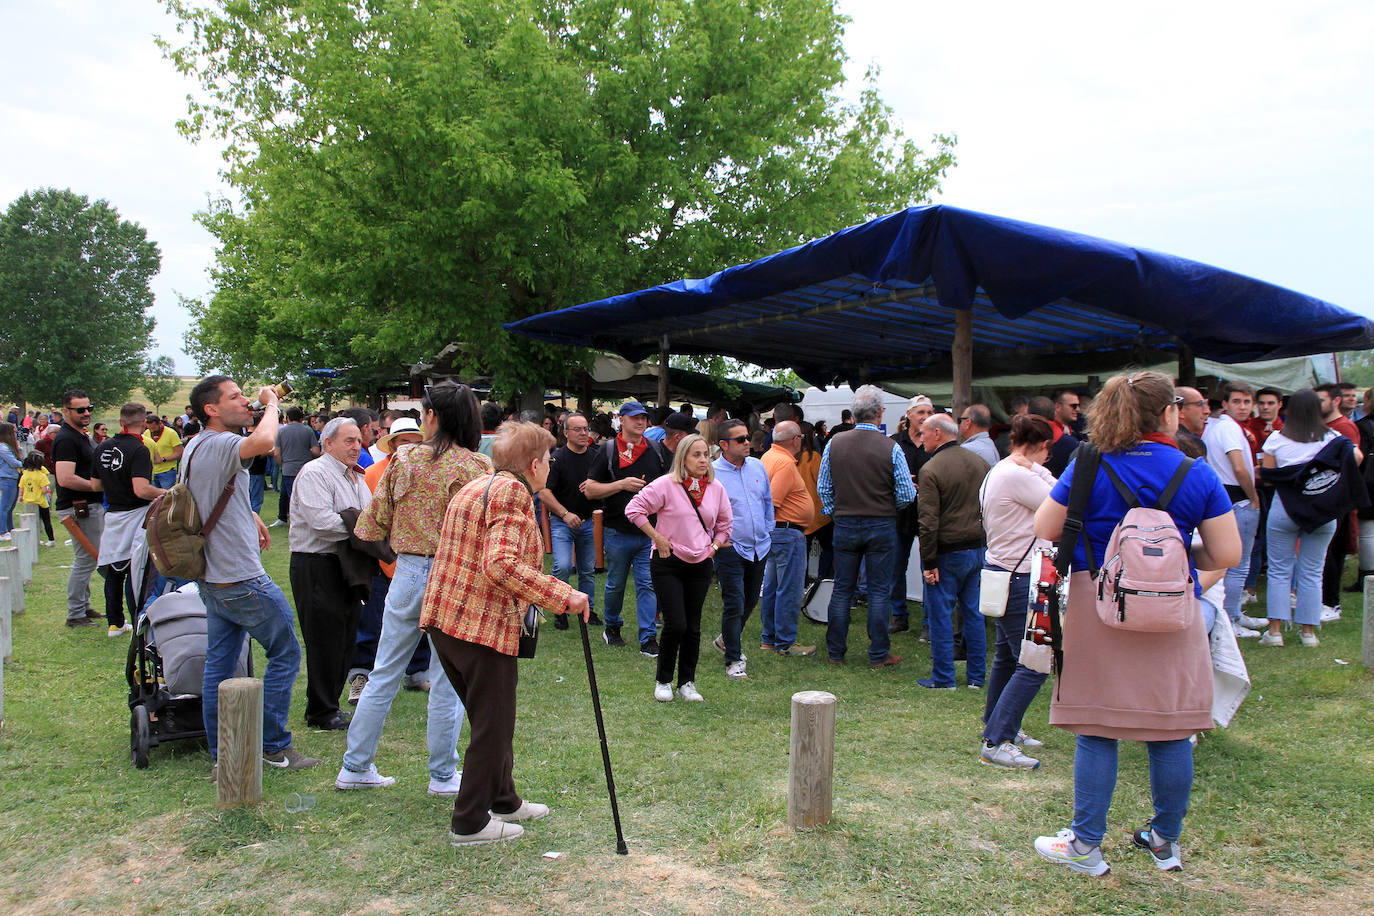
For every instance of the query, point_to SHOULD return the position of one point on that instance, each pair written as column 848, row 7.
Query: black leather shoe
column 899, row 625
column 560, row 621
column 335, row 723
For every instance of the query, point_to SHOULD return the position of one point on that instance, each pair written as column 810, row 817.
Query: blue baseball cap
column 632, row 409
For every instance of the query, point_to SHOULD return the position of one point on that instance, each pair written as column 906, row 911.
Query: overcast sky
column 1237, row 134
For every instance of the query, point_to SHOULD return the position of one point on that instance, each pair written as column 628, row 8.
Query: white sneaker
column 1254, row 623
column 1008, row 756
column 367, row 779
column 1245, row 632
column 688, row 692
column 1025, row 740
column 1271, row 639
column 735, row 670
column 663, row 692
column 496, row 831
column 1309, row 640
column 1330, row 612
column 1060, row 849
column 528, row 811
column 277, row 524
column 1249, row 598
column 448, row 786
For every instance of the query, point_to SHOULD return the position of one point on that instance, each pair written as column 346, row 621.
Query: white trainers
column 1331, row 612
column 1309, row 640
column 1061, row 850
column 496, row 831
column 1254, row 623
column 1008, row 756
column 1025, row 740
column 367, row 779
column 1245, row 632
column 735, row 670
column 119, row 631
column 448, row 786
column 663, row 692
column 688, row 692
column 528, row 811
column 1271, row 639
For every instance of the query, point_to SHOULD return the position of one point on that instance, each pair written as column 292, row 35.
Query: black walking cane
column 601, row 730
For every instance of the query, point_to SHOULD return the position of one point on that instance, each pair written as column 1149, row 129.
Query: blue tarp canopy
column 876, row 301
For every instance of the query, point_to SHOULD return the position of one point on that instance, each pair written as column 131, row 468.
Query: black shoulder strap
column 1127, row 494
column 1175, row 482
column 1086, row 462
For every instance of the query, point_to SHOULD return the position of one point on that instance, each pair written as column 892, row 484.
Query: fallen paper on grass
column 553, row 855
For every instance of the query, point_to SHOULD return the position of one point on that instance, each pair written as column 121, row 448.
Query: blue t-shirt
column 1146, row 469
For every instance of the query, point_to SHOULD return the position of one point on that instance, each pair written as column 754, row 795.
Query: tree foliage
column 74, row 295
column 160, row 382
column 1357, row 367
column 414, row 174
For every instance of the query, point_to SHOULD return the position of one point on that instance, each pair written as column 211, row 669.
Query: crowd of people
column 416, row 546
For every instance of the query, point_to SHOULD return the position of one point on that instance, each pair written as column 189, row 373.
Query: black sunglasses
column 739, row 439
column 82, row 409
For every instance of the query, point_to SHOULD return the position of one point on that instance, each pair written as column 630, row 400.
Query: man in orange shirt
column 785, row 574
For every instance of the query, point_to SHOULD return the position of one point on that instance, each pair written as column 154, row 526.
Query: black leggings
column 681, row 588
column 118, row 589
column 46, row 515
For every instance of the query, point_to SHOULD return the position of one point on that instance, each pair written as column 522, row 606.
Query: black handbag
column 529, row 623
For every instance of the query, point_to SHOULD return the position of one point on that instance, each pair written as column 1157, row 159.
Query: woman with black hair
column 408, row 507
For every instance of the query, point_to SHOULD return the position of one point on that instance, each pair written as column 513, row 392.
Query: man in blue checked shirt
column 863, row 483
column 740, row 567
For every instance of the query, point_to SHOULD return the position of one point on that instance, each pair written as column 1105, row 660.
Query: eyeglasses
column 81, row 409
column 1178, row 401
column 963, row 419
column 576, row 429
column 740, row 439
column 1182, row 403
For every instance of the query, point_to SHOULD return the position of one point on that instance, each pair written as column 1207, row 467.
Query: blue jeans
column 257, row 486
column 1259, row 553
column 273, row 473
column 400, row 635
column 1011, row 685
column 257, row 608
column 1296, row 558
column 957, row 590
column 1247, row 520
column 874, row 540
column 899, row 571
column 9, row 495
column 575, row 547
column 284, row 501
column 370, row 632
column 624, row 551
column 167, row 479
column 784, row 580
column 740, row 580
column 1094, row 780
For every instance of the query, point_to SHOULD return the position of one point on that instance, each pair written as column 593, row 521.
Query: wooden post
column 30, row 523
column 1187, row 366
column 6, row 624
column 239, row 776
column 598, row 537
column 26, row 541
column 811, row 763
column 11, row 569
column 663, row 371
column 1367, row 632
column 962, row 354
column 544, row 527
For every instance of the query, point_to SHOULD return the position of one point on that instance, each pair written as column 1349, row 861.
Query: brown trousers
column 484, row 680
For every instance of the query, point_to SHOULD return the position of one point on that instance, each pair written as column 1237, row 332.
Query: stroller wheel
column 140, row 736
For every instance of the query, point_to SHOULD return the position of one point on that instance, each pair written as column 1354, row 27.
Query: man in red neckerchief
column 621, row 469
column 1266, row 419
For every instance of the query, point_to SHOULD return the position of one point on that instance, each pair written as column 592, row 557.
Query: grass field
column 1282, row 816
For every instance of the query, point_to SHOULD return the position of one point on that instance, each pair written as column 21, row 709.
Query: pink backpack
column 1145, row 583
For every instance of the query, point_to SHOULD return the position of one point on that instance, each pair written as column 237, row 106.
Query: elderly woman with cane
column 487, row 570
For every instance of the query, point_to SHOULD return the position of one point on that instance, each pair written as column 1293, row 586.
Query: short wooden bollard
column 6, row 624
column 26, row 541
column 33, row 524
column 811, row 765
column 1367, row 630
column 599, row 537
column 238, row 779
column 12, row 569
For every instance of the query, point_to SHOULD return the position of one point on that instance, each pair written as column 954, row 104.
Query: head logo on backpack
column 176, row 536
column 1145, row 583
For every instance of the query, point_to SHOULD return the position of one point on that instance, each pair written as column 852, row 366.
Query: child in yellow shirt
column 34, row 487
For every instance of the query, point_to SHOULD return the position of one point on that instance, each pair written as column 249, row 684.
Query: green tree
column 160, row 381
column 74, row 295
column 415, row 174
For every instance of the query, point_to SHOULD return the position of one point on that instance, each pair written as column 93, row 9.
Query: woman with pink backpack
column 1126, row 674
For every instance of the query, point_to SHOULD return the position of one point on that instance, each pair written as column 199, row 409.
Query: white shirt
column 1223, row 435
column 1287, row 452
column 323, row 489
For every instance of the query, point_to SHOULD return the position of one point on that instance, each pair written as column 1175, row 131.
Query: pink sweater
column 677, row 520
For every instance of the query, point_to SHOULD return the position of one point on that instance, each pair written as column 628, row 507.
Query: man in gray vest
column 863, row 482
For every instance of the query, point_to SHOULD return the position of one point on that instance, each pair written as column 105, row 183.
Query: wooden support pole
column 1367, row 631
column 12, row 570
column 239, row 775
column 1187, row 366
column 663, row 371
column 962, row 354
column 811, row 764
column 26, row 541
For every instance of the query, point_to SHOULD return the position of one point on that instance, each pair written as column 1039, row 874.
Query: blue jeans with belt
column 784, row 579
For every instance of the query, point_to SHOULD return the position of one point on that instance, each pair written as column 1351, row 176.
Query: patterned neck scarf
column 629, row 454
column 696, row 488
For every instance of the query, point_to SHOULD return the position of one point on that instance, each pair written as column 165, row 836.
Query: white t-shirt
column 1222, row 435
column 1287, row 452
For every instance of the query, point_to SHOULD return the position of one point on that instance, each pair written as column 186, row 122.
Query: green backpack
column 176, row 535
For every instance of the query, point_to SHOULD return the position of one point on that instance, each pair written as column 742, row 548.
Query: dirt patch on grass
column 1293, row 895
column 654, row 885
